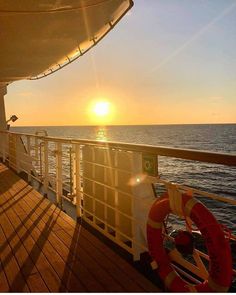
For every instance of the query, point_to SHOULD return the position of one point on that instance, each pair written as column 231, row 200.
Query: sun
column 101, row 108
column 101, row 111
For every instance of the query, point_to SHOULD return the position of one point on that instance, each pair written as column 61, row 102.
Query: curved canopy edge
column 39, row 38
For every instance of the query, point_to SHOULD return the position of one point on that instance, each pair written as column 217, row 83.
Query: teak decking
column 43, row 250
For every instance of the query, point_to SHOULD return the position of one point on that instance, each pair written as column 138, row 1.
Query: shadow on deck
column 43, row 250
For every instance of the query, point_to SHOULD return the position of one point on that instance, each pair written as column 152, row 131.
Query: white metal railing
column 110, row 184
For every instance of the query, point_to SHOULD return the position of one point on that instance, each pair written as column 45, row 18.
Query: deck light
column 13, row 118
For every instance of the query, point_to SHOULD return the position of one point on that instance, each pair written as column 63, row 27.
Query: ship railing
column 111, row 186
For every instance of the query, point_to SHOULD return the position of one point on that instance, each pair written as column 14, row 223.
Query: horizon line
column 117, row 125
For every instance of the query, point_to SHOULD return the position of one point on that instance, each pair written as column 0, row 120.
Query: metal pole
column 45, row 180
column 40, row 159
column 29, row 158
column 3, row 124
column 59, row 174
column 71, row 182
column 77, row 180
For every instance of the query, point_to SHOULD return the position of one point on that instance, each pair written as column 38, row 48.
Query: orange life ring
column 220, row 266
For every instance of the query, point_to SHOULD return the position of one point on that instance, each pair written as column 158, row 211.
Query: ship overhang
column 40, row 37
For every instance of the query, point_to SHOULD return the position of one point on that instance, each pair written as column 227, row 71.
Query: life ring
column 220, row 266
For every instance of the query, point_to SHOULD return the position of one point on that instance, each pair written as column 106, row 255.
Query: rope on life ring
column 220, row 266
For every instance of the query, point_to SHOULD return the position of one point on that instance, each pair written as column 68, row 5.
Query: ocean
column 213, row 178
column 209, row 137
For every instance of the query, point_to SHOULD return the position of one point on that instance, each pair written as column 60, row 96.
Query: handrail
column 186, row 154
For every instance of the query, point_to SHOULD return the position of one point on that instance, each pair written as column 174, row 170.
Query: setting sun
column 101, row 112
column 101, row 108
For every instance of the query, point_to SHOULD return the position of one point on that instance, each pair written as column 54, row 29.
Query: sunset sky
column 166, row 62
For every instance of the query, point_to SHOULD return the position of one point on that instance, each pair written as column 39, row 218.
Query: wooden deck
column 43, row 250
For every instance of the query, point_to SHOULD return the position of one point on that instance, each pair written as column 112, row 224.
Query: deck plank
column 43, row 249
column 34, row 254
column 11, row 267
column 26, row 265
column 4, row 287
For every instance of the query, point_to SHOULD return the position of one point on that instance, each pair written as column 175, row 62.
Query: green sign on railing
column 150, row 164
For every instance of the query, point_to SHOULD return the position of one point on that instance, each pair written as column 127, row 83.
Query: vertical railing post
column 29, row 157
column 59, row 174
column 71, row 172
column 4, row 146
column 3, row 124
column 45, row 158
column 12, row 152
column 157, row 165
column 77, row 180
column 18, row 156
column 7, row 148
column 36, row 148
column 1, row 144
column 117, row 214
column 40, row 159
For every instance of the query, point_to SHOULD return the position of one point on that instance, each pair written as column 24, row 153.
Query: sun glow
column 101, row 112
column 101, row 108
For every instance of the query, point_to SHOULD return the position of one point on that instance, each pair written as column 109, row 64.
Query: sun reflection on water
column 101, row 134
